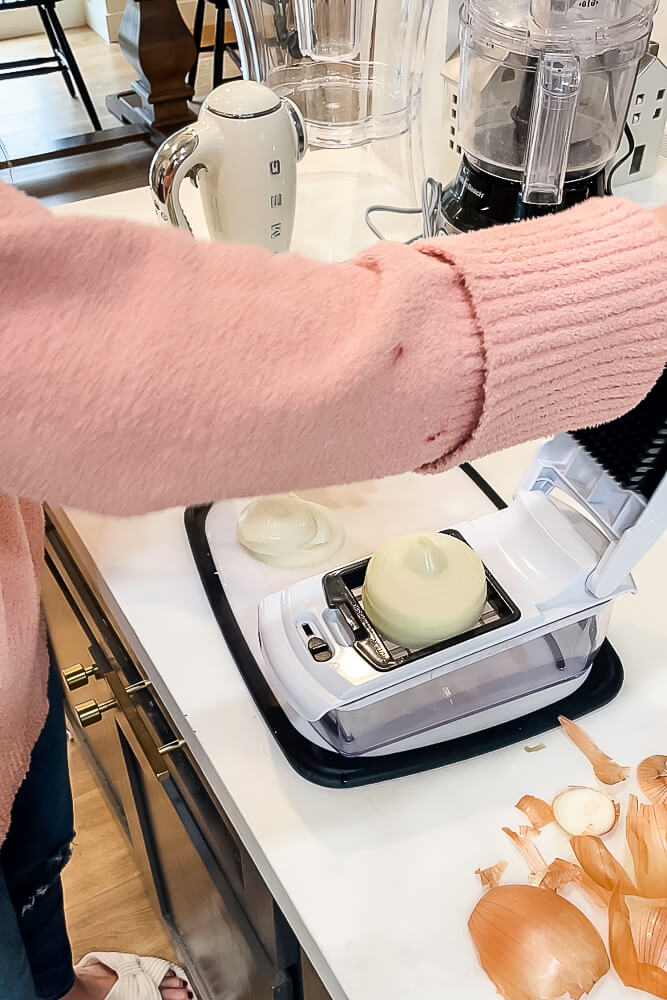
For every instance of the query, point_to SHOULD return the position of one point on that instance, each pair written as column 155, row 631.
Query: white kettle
column 241, row 154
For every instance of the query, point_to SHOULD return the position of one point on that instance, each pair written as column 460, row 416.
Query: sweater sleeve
column 142, row 370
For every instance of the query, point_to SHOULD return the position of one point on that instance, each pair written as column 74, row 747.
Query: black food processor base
column 478, row 200
column 325, row 767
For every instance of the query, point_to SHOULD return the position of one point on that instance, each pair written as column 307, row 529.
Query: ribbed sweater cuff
column 572, row 312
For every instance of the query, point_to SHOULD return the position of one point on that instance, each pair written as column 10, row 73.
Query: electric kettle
column 241, row 154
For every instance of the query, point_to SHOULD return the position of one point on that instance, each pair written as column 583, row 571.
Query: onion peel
column 561, row 873
column 491, row 876
column 524, row 844
column 535, row 945
column 600, row 865
column 638, row 942
column 606, row 770
column 646, row 833
column 537, row 810
column 652, row 778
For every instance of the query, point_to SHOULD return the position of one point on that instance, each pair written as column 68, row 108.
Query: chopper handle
column 174, row 161
column 552, row 112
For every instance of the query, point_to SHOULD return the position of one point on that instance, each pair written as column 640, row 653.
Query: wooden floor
column 34, row 110
column 106, row 905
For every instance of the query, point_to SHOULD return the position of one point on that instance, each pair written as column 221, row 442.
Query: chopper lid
column 586, row 26
column 241, row 99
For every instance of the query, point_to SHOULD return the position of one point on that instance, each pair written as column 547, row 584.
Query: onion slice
column 646, row 833
column 638, row 941
column 538, row 811
column 601, row 865
column 652, row 778
column 585, row 811
column 524, row 844
column 561, row 873
column 535, row 945
column 491, row 876
column 606, row 770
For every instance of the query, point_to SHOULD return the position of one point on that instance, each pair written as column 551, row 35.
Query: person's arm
column 140, row 369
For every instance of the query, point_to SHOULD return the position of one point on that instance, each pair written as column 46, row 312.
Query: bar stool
column 62, row 60
column 219, row 48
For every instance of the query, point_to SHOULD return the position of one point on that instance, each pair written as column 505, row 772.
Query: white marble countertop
column 377, row 882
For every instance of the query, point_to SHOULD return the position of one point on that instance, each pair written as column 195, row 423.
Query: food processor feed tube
column 544, row 93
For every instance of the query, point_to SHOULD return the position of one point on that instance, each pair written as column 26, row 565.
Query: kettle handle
column 174, row 161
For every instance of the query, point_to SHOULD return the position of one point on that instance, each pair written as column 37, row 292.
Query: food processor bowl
column 545, row 87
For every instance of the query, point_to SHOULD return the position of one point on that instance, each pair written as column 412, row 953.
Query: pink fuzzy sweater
column 141, row 370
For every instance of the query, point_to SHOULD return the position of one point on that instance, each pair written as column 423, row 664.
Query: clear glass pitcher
column 545, row 87
column 353, row 67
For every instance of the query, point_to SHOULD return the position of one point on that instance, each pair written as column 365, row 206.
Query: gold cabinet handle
column 90, row 712
column 78, row 676
column 170, row 747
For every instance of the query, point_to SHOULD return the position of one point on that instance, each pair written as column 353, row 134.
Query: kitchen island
column 355, row 894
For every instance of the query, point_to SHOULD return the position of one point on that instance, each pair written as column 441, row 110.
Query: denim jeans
column 35, row 953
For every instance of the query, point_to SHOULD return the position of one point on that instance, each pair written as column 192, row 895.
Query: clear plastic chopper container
column 545, row 86
column 353, row 67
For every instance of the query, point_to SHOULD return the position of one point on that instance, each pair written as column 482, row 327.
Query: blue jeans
column 35, row 953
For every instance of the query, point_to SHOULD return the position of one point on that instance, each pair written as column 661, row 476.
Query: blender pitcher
column 544, row 94
column 352, row 67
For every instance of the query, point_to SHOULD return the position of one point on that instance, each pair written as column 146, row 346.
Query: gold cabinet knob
column 90, row 712
column 77, row 675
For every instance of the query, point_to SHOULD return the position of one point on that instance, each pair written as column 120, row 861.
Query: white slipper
column 138, row 977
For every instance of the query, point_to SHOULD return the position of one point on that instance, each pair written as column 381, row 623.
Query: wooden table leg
column 156, row 42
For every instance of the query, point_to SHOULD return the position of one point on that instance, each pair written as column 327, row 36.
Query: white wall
column 15, row 23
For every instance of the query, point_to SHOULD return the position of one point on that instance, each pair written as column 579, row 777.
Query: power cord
column 430, row 211
column 624, row 159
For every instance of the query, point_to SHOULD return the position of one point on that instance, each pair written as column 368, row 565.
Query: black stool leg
column 43, row 13
column 197, row 29
column 219, row 49
column 74, row 68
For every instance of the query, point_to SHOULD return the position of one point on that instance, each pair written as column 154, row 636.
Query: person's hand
column 661, row 214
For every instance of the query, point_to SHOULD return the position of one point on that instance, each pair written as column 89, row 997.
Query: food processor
column 543, row 99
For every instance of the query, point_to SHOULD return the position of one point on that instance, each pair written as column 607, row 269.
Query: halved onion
column 538, row 811
column 606, row 770
column 638, row 941
column 524, row 843
column 652, row 778
column 601, row 865
column 561, row 873
column 535, row 945
column 585, row 811
column 491, row 876
column 646, row 833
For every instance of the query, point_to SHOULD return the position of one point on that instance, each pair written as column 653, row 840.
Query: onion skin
column 606, row 770
column 652, row 778
column 638, row 942
column 600, row 865
column 534, row 945
column 491, row 876
column 646, row 833
column 561, row 873
column 538, row 811
column 524, row 844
